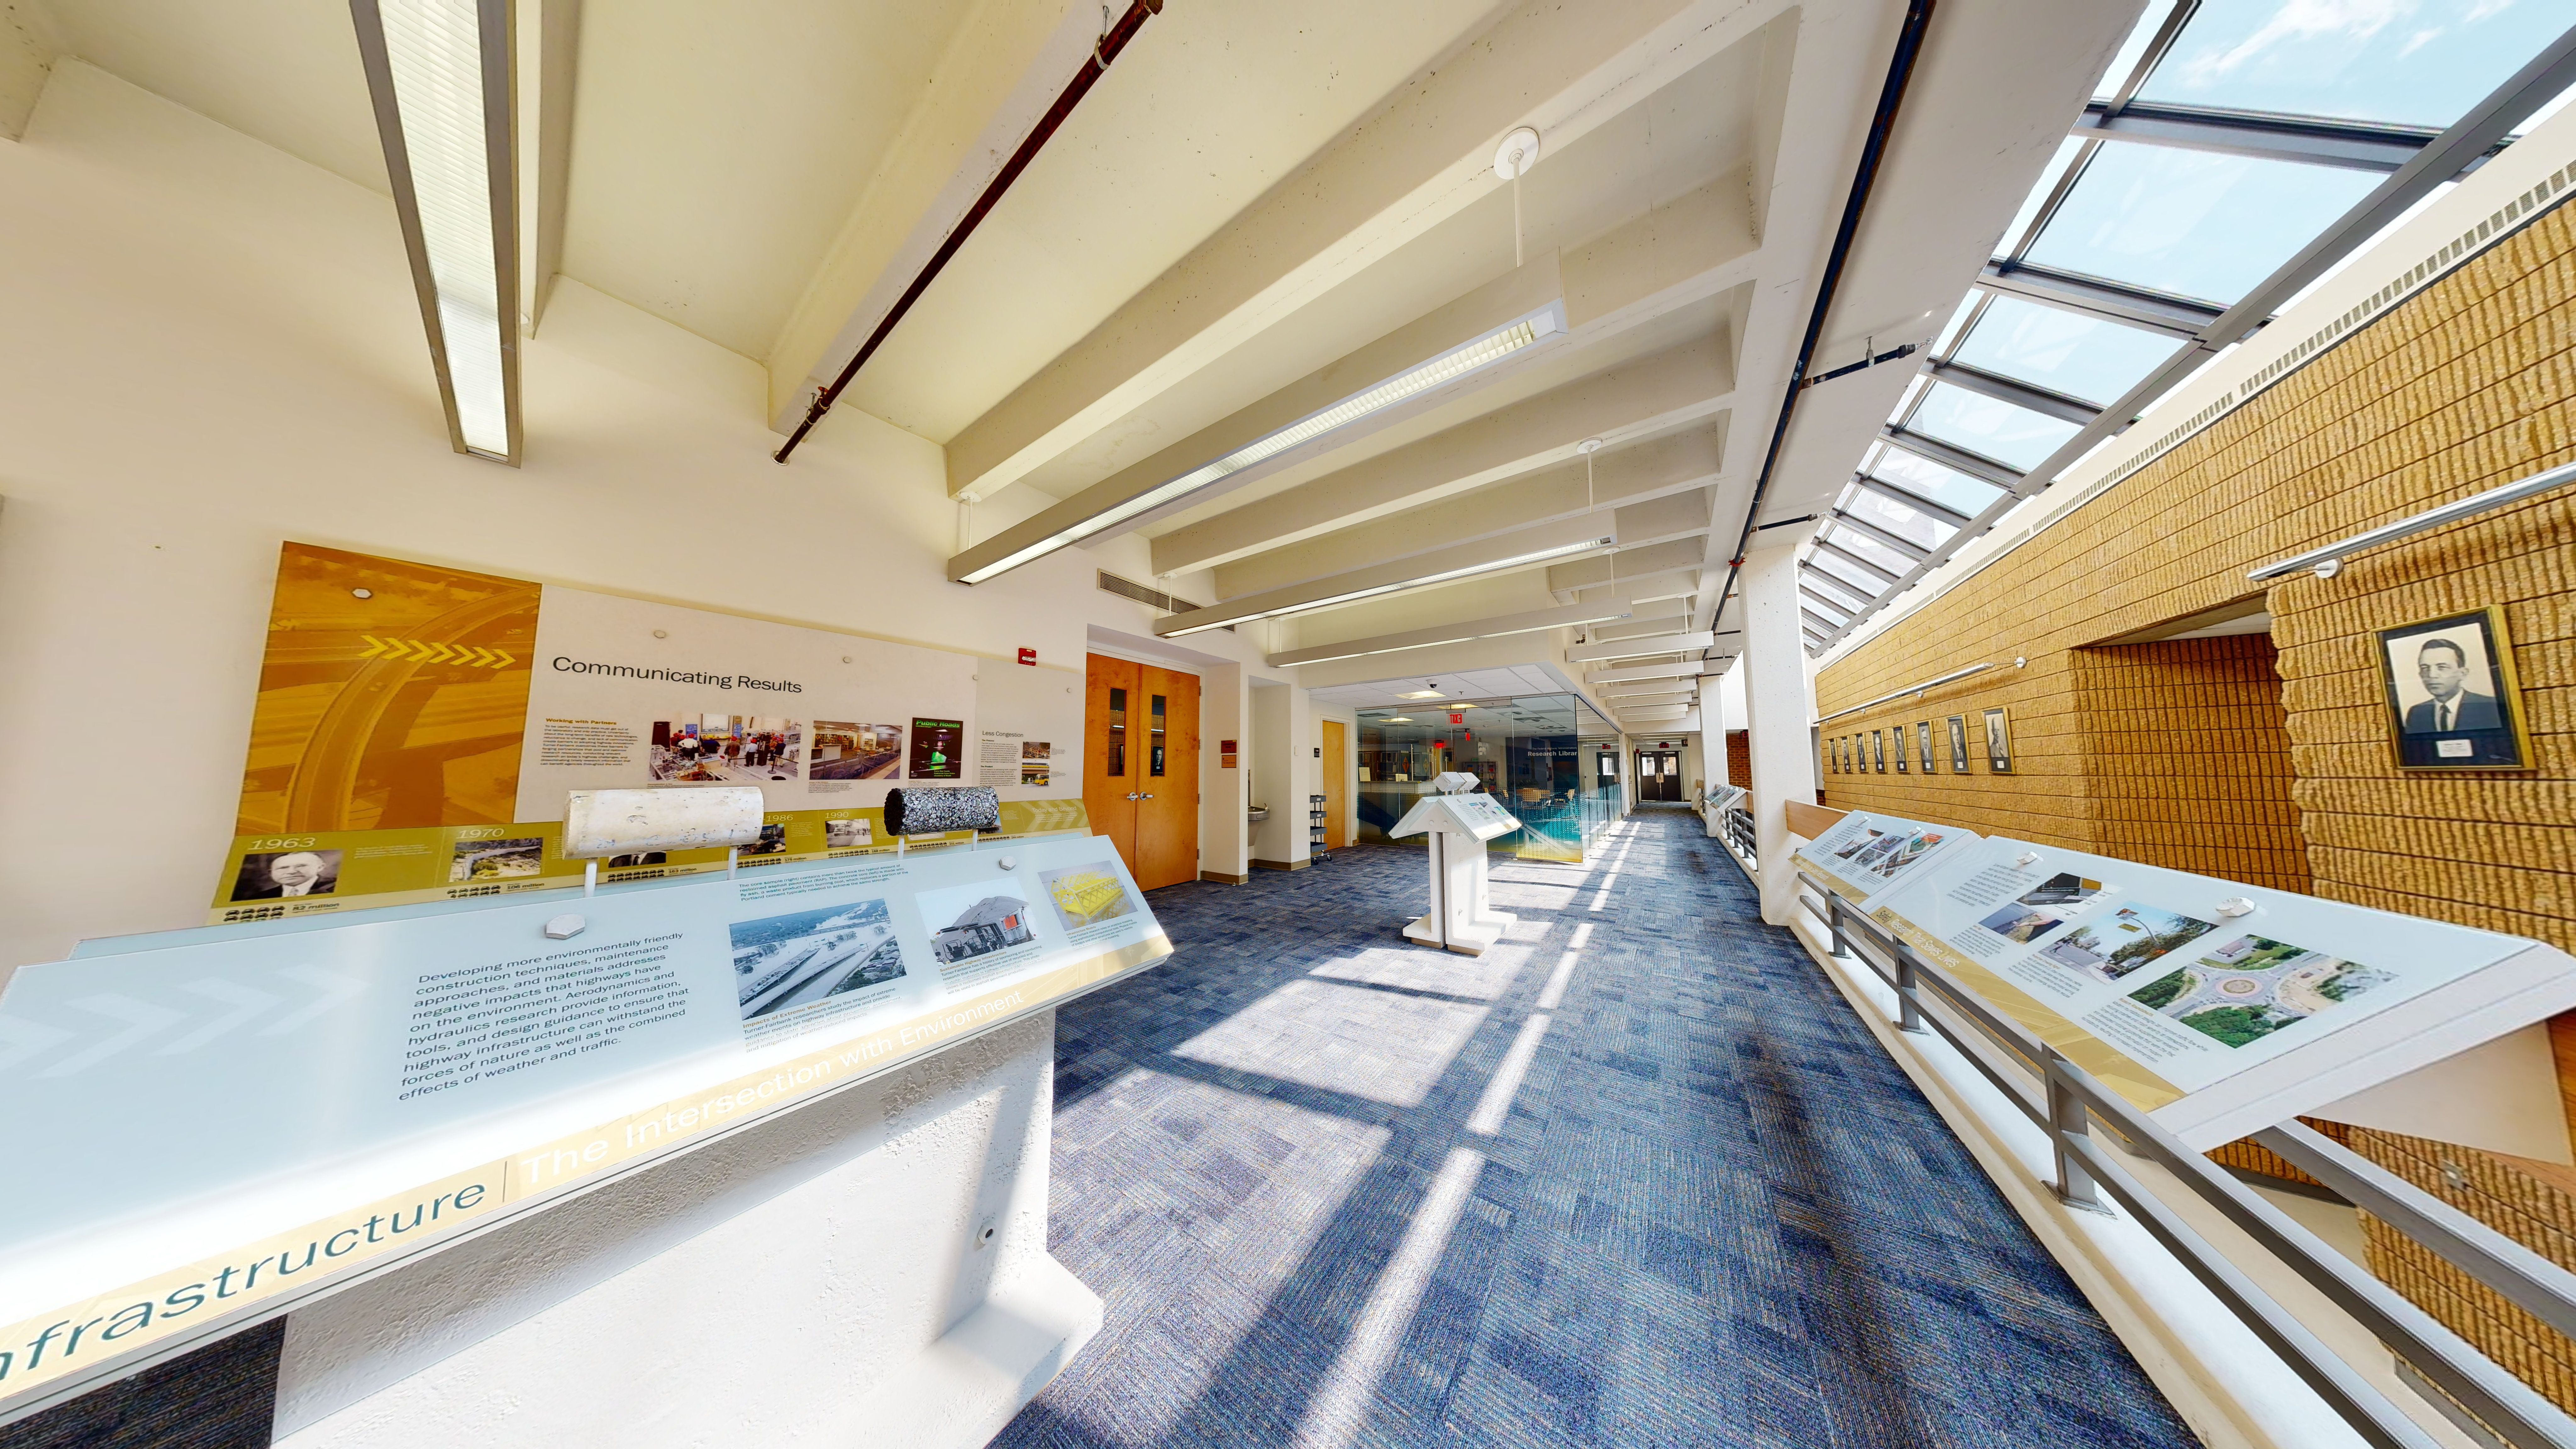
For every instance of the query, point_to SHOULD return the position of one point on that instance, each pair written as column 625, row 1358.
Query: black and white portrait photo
column 1958, row 744
column 2452, row 701
column 1998, row 742
column 284, row 874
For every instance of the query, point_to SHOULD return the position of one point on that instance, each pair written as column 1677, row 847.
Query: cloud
column 2303, row 20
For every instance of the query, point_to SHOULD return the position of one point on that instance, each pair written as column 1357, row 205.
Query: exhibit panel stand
column 869, row 1270
column 1462, row 917
column 771, row 1149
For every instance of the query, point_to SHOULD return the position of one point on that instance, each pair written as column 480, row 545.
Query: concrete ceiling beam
column 1684, row 669
column 1660, row 392
column 1592, row 572
column 1428, row 155
column 1420, row 570
column 1681, row 583
column 1498, row 626
column 28, row 44
column 1651, row 472
column 1688, row 641
column 1006, row 66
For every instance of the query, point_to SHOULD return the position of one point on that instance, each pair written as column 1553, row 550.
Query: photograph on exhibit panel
column 1923, row 743
column 472, row 860
column 783, row 962
column 1998, row 742
column 279, row 874
column 1958, row 744
column 2036, row 912
column 2453, row 701
column 2133, row 936
column 726, row 749
column 2252, row 986
column 847, row 834
column 938, row 748
column 842, row 750
column 1087, row 894
column 974, row 920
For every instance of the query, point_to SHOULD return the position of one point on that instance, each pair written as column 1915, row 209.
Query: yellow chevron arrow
column 471, row 656
column 375, row 646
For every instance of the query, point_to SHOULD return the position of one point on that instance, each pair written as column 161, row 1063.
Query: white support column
column 1779, row 712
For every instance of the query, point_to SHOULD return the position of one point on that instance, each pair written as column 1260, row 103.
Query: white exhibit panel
column 1864, row 856
column 2219, row 1007
column 1462, row 917
column 260, row 1112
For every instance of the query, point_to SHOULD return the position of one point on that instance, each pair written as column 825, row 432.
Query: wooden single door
column 1167, row 806
column 1110, row 762
column 1335, row 762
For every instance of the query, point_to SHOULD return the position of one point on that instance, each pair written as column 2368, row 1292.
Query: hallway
column 1635, row 1177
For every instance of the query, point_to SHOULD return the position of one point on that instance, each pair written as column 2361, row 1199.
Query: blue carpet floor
column 1635, row 1177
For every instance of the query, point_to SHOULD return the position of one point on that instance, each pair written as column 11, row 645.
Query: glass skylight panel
column 2063, row 351
column 1841, row 595
column 1985, row 425
column 1870, row 550
column 1906, row 523
column 2142, row 35
column 1848, row 575
column 2192, row 222
column 1948, row 487
column 2412, row 62
column 2039, row 194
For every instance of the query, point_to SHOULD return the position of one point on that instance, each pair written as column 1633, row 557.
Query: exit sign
column 1457, row 719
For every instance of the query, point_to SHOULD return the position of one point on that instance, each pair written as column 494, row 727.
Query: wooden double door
column 1659, row 775
column 1140, row 766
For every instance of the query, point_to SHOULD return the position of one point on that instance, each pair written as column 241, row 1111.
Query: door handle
column 1149, row 794
column 1131, row 794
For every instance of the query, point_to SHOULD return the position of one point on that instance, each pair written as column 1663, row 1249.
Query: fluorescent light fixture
column 1455, row 363
column 1397, row 719
column 439, row 72
column 1423, row 694
column 1501, row 626
column 1585, row 545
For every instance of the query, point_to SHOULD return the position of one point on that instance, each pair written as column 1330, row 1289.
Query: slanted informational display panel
column 1864, row 856
column 207, row 1117
column 1480, row 817
column 418, row 727
column 2221, row 1008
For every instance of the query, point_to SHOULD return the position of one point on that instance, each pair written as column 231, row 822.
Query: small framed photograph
column 2453, row 701
column 1958, row 744
column 1899, row 732
column 1998, row 742
column 1923, row 744
column 1878, row 751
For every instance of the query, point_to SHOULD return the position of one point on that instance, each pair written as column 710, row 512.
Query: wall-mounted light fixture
column 1217, row 616
column 1470, row 356
column 439, row 72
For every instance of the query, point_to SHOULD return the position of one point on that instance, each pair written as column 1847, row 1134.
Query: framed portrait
column 1958, row 744
column 1899, row 732
column 1878, row 750
column 1998, row 742
column 2453, row 701
column 1923, row 744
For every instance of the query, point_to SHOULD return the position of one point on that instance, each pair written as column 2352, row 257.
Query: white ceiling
column 1518, row 680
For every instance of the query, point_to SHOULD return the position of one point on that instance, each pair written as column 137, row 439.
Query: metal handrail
column 1915, row 689
column 2328, row 561
column 2074, row 1097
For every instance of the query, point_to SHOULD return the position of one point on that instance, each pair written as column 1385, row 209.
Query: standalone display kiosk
column 1462, row 917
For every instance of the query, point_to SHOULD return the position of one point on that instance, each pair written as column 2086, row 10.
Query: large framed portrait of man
column 1998, row 742
column 1878, row 751
column 1958, row 744
column 2453, row 703
column 1923, row 743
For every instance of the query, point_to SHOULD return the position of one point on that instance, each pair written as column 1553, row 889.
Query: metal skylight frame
column 2414, row 160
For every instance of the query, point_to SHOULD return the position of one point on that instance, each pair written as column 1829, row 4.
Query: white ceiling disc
column 1517, row 154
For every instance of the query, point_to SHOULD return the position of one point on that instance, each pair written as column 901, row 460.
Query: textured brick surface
column 2183, row 754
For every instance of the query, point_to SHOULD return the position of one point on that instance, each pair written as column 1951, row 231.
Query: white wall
column 1284, row 735
column 214, row 347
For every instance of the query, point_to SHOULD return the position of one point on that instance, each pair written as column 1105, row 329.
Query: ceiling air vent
column 1146, row 594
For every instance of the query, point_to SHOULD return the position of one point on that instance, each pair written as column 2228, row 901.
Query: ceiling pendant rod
column 1104, row 51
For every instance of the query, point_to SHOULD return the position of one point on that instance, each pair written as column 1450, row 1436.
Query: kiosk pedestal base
column 1462, row 917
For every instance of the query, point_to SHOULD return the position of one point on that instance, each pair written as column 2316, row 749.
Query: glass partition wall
column 1543, row 756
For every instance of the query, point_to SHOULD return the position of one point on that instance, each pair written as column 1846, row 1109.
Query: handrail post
column 1834, row 922
column 1909, row 1005
column 2069, row 1117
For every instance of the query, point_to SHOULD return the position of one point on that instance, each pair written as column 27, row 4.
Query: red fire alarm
column 1028, row 656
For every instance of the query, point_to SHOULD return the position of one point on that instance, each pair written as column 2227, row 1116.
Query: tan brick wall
column 2467, row 385
column 2129, row 751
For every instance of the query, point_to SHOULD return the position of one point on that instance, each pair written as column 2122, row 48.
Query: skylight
column 2218, row 150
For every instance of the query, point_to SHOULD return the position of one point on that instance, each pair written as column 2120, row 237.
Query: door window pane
column 1116, row 753
column 1154, row 760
